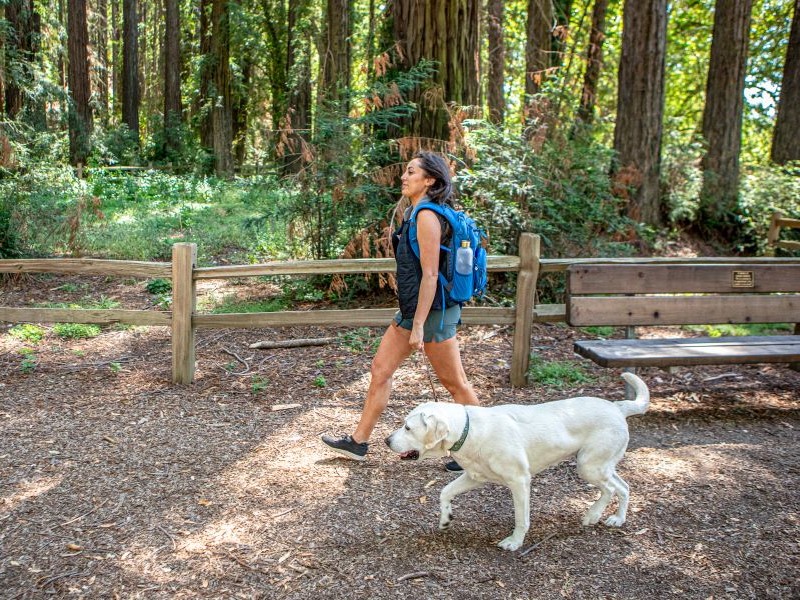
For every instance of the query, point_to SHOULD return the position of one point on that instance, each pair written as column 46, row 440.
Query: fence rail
column 777, row 223
column 184, row 320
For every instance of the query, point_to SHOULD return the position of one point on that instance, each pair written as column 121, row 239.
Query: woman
column 419, row 324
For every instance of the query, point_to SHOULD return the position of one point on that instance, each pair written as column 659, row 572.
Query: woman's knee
column 380, row 371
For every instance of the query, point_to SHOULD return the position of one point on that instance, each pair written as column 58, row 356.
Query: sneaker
column 347, row 447
column 453, row 467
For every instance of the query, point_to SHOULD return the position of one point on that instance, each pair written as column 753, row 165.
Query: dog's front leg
column 458, row 486
column 521, row 492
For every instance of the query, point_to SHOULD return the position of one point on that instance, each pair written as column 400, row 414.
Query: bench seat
column 691, row 351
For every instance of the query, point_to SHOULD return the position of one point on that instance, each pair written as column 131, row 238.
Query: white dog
column 508, row 444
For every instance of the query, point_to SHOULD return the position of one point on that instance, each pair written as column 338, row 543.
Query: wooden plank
column 529, row 246
column 366, row 317
column 788, row 245
column 691, row 351
column 335, row 266
column 682, row 310
column 87, row 266
column 74, row 315
column 556, row 265
column 549, row 313
column 743, row 277
column 789, row 223
column 183, row 305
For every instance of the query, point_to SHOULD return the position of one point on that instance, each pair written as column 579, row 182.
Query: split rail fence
column 184, row 273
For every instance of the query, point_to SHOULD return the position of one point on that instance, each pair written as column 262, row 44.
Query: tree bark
column 206, row 98
column 786, row 136
column 497, row 60
column 594, row 62
column 172, row 77
column 538, row 44
column 446, row 32
column 221, row 112
column 640, row 107
column 20, row 52
column 722, row 115
column 130, row 66
column 100, row 16
column 335, row 58
column 80, row 111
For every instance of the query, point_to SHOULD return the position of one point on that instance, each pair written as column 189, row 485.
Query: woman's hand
column 415, row 339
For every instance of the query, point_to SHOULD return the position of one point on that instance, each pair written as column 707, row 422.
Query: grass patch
column 26, row 332
column 601, row 331
column 76, row 331
column 558, row 374
column 359, row 340
column 86, row 303
column 741, row 329
column 232, row 304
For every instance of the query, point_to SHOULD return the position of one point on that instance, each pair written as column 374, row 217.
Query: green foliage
column 320, row 382
column 558, row 374
column 359, row 340
column 258, row 384
column 158, row 286
column 743, row 329
column 27, row 332
column 29, row 360
column 76, row 331
column 601, row 331
column 765, row 189
column 233, row 304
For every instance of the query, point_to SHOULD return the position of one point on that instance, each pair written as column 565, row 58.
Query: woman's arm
column 429, row 236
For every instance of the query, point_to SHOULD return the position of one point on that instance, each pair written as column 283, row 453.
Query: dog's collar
column 457, row 446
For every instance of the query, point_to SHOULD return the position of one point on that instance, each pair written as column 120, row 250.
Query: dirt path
column 116, row 484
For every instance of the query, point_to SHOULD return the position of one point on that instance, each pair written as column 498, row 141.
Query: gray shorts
column 433, row 330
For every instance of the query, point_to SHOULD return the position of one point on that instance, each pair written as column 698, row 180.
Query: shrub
column 27, row 333
column 75, row 331
column 559, row 374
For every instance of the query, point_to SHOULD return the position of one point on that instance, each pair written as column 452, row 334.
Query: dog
column 508, row 444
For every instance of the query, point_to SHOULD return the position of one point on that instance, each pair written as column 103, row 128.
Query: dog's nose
column 388, row 441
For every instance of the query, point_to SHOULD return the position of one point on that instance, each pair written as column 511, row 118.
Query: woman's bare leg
column 445, row 359
column 393, row 350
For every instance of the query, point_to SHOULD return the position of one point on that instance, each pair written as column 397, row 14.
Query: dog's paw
column 614, row 521
column 510, row 543
column 591, row 519
column 444, row 520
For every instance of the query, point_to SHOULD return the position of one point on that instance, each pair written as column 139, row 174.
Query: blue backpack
column 466, row 274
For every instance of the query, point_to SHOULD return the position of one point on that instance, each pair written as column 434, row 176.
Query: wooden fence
column 774, row 240
column 184, row 320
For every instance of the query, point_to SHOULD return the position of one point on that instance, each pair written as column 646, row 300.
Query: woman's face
column 415, row 181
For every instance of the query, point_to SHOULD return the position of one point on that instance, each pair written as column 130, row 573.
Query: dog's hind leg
column 458, row 486
column 601, row 477
column 521, row 492
column 623, row 494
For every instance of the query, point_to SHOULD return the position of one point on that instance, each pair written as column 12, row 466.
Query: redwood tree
column 335, row 58
column 80, row 111
column 594, row 62
column 640, row 106
column 20, row 51
column 538, row 44
column 786, row 136
column 445, row 32
column 221, row 111
column 495, row 94
column 172, row 76
column 130, row 66
column 722, row 115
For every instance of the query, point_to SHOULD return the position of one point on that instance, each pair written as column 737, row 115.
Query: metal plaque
column 743, row 279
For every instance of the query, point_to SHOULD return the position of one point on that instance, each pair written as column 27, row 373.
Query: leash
column 428, row 371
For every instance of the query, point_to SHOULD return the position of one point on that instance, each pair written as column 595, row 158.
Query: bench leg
column 796, row 365
column 630, row 393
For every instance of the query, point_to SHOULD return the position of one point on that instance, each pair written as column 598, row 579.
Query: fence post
column 529, row 245
column 773, row 234
column 183, row 304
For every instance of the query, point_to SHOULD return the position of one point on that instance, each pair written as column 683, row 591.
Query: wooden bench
column 685, row 294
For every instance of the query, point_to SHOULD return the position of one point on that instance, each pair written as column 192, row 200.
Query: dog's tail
column 641, row 403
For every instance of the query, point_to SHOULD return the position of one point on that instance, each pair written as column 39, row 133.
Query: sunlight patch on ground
column 25, row 491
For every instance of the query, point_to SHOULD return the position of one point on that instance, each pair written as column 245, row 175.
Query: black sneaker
column 453, row 467
column 347, row 447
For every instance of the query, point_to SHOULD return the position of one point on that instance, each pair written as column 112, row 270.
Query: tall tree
column 172, row 77
column 206, row 98
column 640, row 106
column 445, row 32
column 130, row 66
column 221, row 112
column 99, row 36
column 722, row 115
column 80, row 112
column 786, row 136
column 538, row 44
column 21, row 44
column 594, row 62
column 335, row 58
column 497, row 61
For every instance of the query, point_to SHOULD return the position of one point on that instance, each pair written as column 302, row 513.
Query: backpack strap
column 412, row 230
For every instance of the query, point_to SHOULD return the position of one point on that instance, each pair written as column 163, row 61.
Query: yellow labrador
column 508, row 444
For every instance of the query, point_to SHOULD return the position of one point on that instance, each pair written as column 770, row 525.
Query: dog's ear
column 435, row 431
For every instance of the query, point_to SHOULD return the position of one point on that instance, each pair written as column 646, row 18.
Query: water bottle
column 464, row 259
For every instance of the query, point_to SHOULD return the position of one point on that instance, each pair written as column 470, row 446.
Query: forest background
column 266, row 130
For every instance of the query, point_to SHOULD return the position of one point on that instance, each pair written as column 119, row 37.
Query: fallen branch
column 537, row 544
column 415, row 575
column 240, row 359
column 267, row 345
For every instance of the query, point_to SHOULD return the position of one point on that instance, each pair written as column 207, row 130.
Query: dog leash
column 428, row 371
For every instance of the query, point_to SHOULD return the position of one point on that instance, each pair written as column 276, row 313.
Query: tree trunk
column 594, row 62
column 497, row 59
column 20, row 46
column 445, row 32
column 335, row 59
column 538, row 44
column 640, row 106
column 80, row 112
column 722, row 116
column 206, row 98
column 130, row 66
column 786, row 136
column 100, row 78
column 221, row 112
column 116, row 59
column 172, row 78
